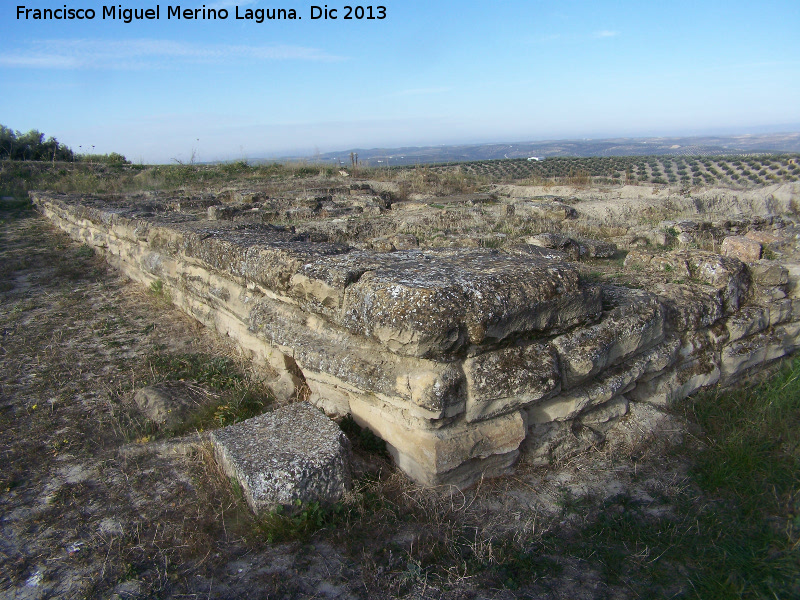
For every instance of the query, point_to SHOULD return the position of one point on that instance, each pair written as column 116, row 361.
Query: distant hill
column 679, row 146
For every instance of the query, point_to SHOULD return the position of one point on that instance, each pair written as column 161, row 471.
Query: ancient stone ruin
column 460, row 356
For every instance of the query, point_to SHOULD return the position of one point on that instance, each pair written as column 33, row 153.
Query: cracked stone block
column 500, row 381
column 740, row 247
column 634, row 322
column 294, row 453
column 434, row 303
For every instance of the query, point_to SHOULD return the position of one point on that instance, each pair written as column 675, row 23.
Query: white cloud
column 605, row 33
column 148, row 54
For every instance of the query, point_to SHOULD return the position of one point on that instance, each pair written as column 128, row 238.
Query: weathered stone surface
column 740, row 247
column 554, row 210
column 614, row 382
column 498, row 382
column 789, row 334
column 780, row 311
column 168, row 404
column 749, row 320
column 610, row 411
column 633, row 323
column 726, row 274
column 737, row 357
column 678, row 383
column 431, row 390
column 548, row 443
column 432, row 303
column 763, row 237
column 769, row 273
column 596, row 248
column 793, row 285
column 670, row 263
column 694, row 344
column 536, row 252
column 645, row 425
column 294, row 453
column 435, row 457
column 689, row 307
column 557, row 241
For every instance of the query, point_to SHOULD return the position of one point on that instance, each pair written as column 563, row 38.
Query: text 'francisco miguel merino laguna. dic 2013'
column 127, row 15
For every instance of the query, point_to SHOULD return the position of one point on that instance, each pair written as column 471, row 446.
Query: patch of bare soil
column 97, row 504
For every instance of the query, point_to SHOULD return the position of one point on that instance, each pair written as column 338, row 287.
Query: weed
column 85, row 251
column 736, row 533
column 238, row 398
column 160, row 291
column 298, row 522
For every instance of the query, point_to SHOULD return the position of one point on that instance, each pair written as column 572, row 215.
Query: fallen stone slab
column 294, row 453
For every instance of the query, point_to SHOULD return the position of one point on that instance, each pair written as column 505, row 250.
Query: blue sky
column 429, row 73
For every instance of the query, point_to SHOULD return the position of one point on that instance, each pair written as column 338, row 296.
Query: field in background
column 17, row 178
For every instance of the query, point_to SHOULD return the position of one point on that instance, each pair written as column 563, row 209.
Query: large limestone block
column 695, row 344
column 500, row 381
column 429, row 304
column 254, row 253
column 737, row 357
column 634, row 323
column 689, row 306
column 679, row 382
column 557, row 241
column 535, row 252
column 599, row 416
column 741, row 247
column 727, row 274
column 769, row 273
column 458, row 454
column 789, row 334
column 793, row 276
column 428, row 389
column 553, row 210
column 748, row 321
column 780, row 311
column 294, row 453
column 611, row 384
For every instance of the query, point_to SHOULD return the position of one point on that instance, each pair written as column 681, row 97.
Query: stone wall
column 460, row 359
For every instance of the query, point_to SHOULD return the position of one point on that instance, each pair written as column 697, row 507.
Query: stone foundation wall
column 460, row 359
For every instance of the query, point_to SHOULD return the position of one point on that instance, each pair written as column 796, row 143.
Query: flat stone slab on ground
column 294, row 453
column 170, row 403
